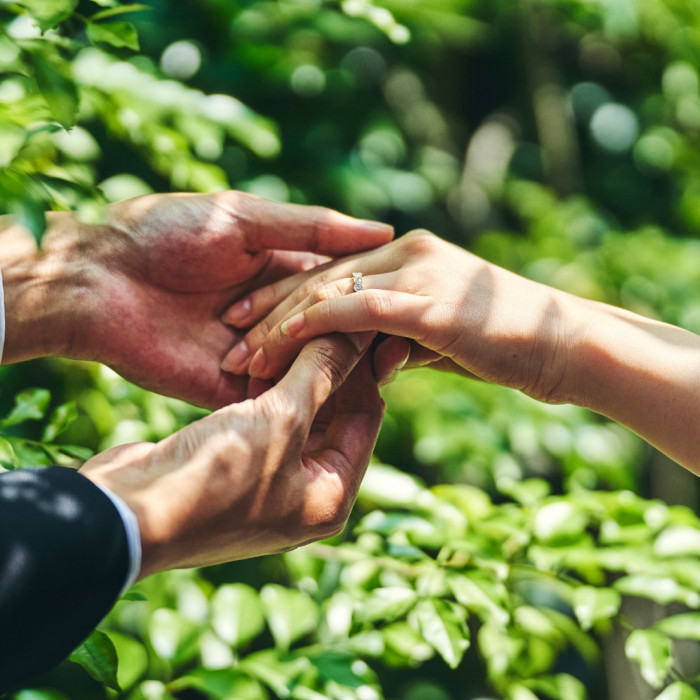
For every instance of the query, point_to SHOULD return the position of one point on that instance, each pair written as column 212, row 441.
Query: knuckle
column 420, row 242
column 376, row 305
column 285, row 415
column 330, row 364
column 310, row 285
column 326, row 292
column 256, row 337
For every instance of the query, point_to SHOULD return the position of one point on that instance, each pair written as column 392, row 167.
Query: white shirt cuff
column 2, row 317
column 133, row 536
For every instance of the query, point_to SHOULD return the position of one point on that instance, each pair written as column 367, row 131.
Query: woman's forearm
column 641, row 373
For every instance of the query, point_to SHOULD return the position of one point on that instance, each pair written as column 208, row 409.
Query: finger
column 279, row 298
column 322, row 366
column 286, row 263
column 271, row 225
column 389, row 358
column 280, row 277
column 352, row 433
column 308, row 291
column 391, row 312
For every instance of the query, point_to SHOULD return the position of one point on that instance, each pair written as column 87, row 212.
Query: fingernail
column 237, row 313
column 236, row 359
column 361, row 341
column 293, row 325
column 402, row 364
column 258, row 364
column 377, row 226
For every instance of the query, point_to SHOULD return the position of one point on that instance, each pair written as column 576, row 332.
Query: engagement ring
column 357, row 281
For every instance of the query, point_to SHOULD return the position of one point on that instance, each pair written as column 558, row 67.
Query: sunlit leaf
column 224, row 684
column 443, row 626
column 98, row 657
column 678, row 691
column 663, row 590
column 387, row 604
column 118, row 10
column 116, row 34
column 49, row 13
column 290, row 614
column 682, row 626
column 237, row 613
column 30, row 404
column 59, row 420
column 132, row 658
column 652, row 651
column 594, row 604
column 51, row 73
column 172, row 636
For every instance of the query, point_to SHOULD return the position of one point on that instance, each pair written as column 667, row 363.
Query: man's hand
column 143, row 292
column 258, row 477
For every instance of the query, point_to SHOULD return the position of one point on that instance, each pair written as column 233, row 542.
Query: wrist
column 47, row 289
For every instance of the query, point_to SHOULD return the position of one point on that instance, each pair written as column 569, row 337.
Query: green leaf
column 39, row 695
column 559, row 522
column 51, row 74
column 30, row 404
column 118, row 10
column 12, row 139
column 442, row 625
column 338, row 667
column 387, row 603
column 473, row 597
column 499, row 649
column 49, row 13
column 683, row 626
column 117, row 34
column 272, row 671
column 517, row 691
column 678, row 691
column 528, row 492
column 132, row 656
column 652, row 651
column 663, row 590
column 237, row 613
column 134, row 596
column 592, row 605
column 560, row 686
column 77, row 451
column 173, row 637
column 290, row 614
column 223, row 684
column 406, row 643
column 677, row 541
column 8, row 458
column 60, row 419
column 98, row 657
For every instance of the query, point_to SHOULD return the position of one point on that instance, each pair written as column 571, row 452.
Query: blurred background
column 557, row 138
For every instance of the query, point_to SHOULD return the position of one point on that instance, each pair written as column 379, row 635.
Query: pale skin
column 143, row 293
column 445, row 306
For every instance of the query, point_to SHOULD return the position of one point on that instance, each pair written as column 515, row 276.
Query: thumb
column 321, row 367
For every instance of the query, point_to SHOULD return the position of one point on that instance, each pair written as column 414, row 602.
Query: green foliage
column 512, row 545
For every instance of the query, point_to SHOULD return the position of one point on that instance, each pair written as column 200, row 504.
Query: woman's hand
column 462, row 312
column 258, row 477
column 500, row 327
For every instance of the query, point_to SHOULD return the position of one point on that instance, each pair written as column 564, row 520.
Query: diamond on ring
column 357, row 281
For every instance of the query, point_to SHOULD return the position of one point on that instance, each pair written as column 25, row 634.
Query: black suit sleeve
column 63, row 561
